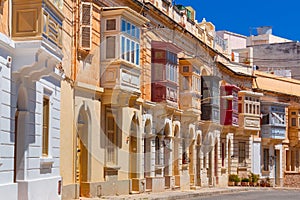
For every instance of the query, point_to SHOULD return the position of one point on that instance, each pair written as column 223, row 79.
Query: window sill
column 291, row 172
column 46, row 161
column 112, row 167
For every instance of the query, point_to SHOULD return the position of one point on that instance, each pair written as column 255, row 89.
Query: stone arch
column 22, row 99
column 147, row 124
column 204, row 72
column 176, row 129
column 133, row 146
column 168, row 128
column 192, row 153
column 177, row 150
column 198, row 157
column 192, row 132
column 21, row 117
column 147, row 150
column 198, row 137
column 83, row 145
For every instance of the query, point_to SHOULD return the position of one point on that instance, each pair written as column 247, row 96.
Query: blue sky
column 239, row 16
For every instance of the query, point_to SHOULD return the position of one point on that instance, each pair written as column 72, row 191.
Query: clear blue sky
column 238, row 15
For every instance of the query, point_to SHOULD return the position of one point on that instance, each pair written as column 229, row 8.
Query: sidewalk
column 177, row 194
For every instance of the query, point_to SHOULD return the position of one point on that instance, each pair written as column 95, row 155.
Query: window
column 123, row 47
column 111, row 24
column 110, row 47
column 185, row 69
column 45, row 139
column 123, row 25
column 111, row 139
column 186, row 83
column 137, row 53
column 293, row 123
column 266, row 159
column 132, row 52
column 133, row 30
column 130, row 44
column 242, row 153
column 86, row 25
column 128, row 50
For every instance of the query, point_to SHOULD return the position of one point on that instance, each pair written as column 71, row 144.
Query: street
column 254, row 195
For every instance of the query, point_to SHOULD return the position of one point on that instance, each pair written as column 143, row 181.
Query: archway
column 21, row 115
column 133, row 148
column 229, row 156
column 198, row 160
column 82, row 149
column 147, row 148
column 176, row 156
column 167, row 150
column 191, row 158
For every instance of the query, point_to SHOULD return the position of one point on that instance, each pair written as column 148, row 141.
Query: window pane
column 293, row 121
column 128, row 28
column 137, row 33
column 123, row 48
column 110, row 24
column 137, row 49
column 185, row 82
column 128, row 50
column 110, row 47
column 133, row 30
column 123, row 28
column 132, row 51
column 185, row 69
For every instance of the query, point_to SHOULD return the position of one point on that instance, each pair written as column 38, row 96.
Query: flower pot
column 231, row 183
column 245, row 183
column 237, row 183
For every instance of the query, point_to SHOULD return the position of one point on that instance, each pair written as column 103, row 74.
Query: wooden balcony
column 37, row 31
column 249, row 112
column 294, row 136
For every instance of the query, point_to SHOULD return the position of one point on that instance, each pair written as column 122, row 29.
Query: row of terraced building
column 110, row 97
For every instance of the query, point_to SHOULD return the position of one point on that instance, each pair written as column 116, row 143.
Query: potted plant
column 237, row 181
column 268, row 182
column 245, row 182
column 231, row 179
column 253, row 179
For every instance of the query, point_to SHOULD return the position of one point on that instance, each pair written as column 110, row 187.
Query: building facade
column 31, row 55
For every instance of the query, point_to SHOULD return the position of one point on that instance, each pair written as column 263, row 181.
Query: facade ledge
column 112, row 167
column 46, row 161
column 88, row 87
column 36, row 58
column 148, row 104
column 292, row 172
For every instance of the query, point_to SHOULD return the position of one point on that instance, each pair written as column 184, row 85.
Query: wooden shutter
column 86, row 26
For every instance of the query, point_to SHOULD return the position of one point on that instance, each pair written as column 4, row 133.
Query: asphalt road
column 256, row 195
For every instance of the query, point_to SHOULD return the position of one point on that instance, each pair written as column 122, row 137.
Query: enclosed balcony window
column 110, row 47
column 293, row 122
column 185, row 69
column 186, row 83
column 111, row 24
